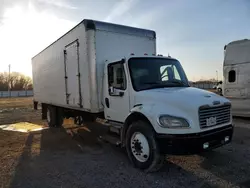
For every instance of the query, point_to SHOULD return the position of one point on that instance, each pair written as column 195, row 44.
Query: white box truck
column 236, row 69
column 112, row 71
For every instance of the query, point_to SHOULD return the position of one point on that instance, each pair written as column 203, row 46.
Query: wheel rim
column 78, row 120
column 139, row 147
column 48, row 115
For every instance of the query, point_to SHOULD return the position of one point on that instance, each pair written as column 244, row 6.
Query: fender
column 150, row 112
column 139, row 111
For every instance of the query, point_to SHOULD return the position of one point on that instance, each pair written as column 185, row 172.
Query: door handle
column 107, row 102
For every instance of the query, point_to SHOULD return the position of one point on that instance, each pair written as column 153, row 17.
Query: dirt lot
column 61, row 158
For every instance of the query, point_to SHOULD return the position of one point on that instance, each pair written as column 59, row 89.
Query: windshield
column 149, row 73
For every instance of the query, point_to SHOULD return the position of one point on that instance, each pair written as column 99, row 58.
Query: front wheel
column 142, row 148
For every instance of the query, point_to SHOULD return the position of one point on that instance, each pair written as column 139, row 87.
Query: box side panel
column 48, row 69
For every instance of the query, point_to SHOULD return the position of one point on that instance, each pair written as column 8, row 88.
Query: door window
column 116, row 76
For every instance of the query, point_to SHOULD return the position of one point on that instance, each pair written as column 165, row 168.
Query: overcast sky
column 192, row 31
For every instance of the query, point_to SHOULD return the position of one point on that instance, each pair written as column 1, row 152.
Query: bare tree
column 18, row 81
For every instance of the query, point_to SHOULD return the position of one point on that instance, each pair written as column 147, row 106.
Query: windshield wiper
column 166, row 84
column 153, row 85
column 180, row 82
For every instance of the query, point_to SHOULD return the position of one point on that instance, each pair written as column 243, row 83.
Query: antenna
column 9, row 82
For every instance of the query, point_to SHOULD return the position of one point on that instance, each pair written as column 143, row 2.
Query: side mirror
column 111, row 90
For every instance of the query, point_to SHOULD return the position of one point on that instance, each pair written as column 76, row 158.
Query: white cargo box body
column 69, row 72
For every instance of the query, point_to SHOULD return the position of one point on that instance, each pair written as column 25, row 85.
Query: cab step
column 115, row 127
column 112, row 139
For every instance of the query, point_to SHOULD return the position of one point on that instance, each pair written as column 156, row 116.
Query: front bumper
column 196, row 142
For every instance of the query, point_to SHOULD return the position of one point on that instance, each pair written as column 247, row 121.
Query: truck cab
column 150, row 97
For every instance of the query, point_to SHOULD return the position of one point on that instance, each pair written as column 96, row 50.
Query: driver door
column 116, row 99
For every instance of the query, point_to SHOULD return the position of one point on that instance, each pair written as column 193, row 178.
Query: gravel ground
column 70, row 157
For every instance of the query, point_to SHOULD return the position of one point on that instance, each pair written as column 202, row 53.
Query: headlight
column 167, row 121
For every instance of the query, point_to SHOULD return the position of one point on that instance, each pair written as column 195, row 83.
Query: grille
column 221, row 113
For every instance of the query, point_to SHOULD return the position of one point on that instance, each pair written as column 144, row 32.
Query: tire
column 149, row 159
column 54, row 116
column 44, row 111
column 220, row 91
column 51, row 116
column 35, row 105
column 60, row 117
column 78, row 120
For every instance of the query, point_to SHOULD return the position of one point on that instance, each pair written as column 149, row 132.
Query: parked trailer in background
column 111, row 71
column 236, row 72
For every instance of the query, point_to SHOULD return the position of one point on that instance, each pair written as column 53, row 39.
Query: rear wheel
column 142, row 148
column 78, row 120
column 54, row 116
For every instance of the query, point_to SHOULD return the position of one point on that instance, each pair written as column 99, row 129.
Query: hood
column 180, row 97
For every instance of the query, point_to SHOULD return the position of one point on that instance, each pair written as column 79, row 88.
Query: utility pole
column 217, row 76
column 9, row 82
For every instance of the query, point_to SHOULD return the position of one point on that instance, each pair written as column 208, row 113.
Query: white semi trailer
column 236, row 71
column 111, row 71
